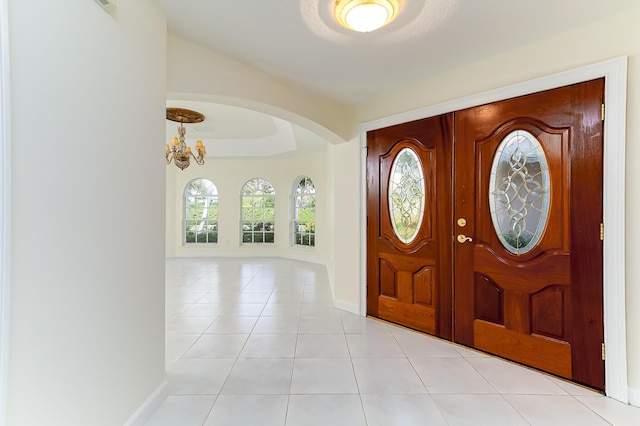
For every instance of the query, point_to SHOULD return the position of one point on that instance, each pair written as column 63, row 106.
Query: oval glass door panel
column 406, row 195
column 519, row 191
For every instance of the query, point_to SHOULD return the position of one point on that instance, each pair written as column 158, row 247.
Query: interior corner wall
column 331, row 216
column 229, row 175
column 609, row 38
column 87, row 285
column 346, row 250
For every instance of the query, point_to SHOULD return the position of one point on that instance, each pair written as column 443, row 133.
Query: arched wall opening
column 300, row 148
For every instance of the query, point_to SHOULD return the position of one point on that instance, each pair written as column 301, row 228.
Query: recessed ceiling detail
column 231, row 131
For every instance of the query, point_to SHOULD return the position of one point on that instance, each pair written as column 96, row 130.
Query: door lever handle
column 463, row 238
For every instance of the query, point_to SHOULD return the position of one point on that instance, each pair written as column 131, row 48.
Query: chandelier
column 179, row 152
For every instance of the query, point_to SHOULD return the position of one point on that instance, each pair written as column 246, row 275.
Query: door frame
column 614, row 281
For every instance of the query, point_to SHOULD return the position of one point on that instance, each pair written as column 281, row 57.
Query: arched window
column 201, row 212
column 258, row 211
column 304, row 213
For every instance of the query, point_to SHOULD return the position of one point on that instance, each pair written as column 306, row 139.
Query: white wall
column 173, row 212
column 5, row 206
column 346, row 222
column 88, row 184
column 229, row 175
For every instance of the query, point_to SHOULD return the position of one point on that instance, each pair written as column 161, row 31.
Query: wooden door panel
column 410, row 281
column 539, row 301
column 528, row 278
column 535, row 351
column 408, row 315
column 549, row 312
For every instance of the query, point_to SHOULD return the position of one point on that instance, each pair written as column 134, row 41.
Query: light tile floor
column 258, row 342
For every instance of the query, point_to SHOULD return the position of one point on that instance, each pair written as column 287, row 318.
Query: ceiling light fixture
column 179, row 152
column 365, row 15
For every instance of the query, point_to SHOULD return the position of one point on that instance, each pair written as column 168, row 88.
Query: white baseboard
column 634, row 397
column 354, row 308
column 151, row 404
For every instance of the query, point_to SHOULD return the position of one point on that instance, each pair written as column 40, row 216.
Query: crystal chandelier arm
column 199, row 159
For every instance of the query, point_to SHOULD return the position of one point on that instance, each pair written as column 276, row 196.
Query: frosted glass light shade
column 365, row 15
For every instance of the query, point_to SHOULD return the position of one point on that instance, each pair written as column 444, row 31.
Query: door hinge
column 601, row 231
column 603, row 352
column 602, row 112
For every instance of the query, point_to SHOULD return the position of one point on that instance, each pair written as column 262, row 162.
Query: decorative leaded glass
column 406, row 195
column 519, row 191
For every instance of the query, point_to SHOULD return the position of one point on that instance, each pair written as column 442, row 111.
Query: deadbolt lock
column 462, row 222
column 463, row 238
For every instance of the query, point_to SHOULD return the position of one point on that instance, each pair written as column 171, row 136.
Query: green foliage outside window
column 258, row 211
column 304, row 224
column 201, row 212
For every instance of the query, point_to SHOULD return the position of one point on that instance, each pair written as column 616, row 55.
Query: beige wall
column 606, row 39
column 229, row 175
column 87, row 249
column 194, row 73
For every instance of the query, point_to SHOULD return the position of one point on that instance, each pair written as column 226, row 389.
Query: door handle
column 463, row 238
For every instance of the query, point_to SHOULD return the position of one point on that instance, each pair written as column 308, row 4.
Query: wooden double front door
column 484, row 228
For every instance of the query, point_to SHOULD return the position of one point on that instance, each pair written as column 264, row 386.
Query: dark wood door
column 528, row 275
column 409, row 215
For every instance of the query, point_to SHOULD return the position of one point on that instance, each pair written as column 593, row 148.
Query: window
column 201, row 212
column 258, row 211
column 304, row 213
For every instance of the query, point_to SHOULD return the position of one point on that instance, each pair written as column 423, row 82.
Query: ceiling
column 300, row 42
column 230, row 131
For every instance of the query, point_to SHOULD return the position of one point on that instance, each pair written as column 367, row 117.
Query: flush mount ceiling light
column 365, row 15
column 179, row 152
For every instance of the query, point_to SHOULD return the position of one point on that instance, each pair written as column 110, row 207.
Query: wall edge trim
column 149, row 406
